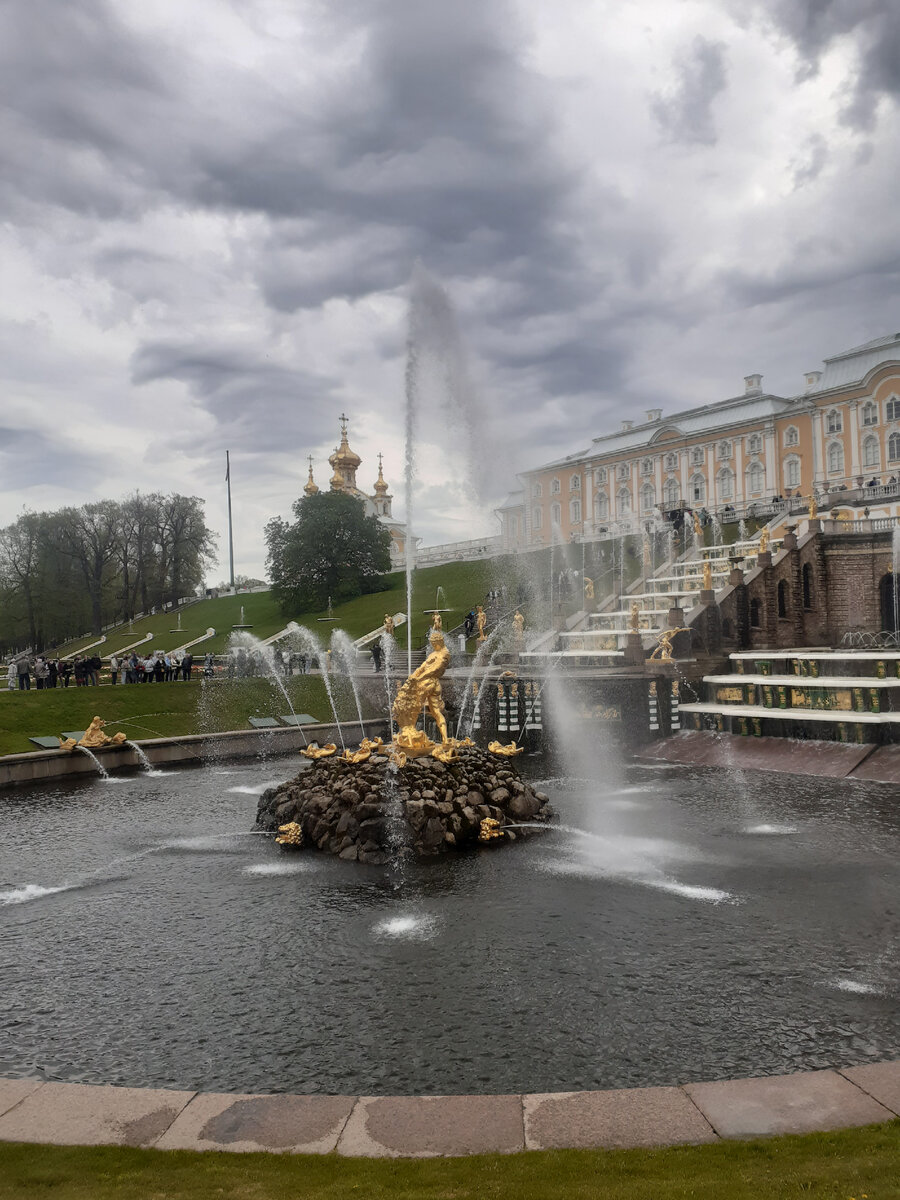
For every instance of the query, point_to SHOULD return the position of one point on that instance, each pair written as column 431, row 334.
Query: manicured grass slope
column 836, row 1166
column 156, row 709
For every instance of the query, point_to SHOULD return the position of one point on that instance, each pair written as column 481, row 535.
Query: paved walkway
column 426, row 1126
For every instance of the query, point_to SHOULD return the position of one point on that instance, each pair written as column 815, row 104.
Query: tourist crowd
column 50, row 671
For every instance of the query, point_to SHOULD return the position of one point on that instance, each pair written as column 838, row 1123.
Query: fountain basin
column 365, row 811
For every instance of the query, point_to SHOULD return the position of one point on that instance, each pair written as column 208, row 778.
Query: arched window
column 574, row 512
column 537, row 491
column 726, row 485
column 601, row 506
column 792, row 472
column 791, row 435
column 698, row 489
column 671, row 462
column 555, row 514
column 554, row 487
column 623, row 502
column 834, row 422
column 648, row 498
column 724, row 450
column 870, row 452
column 671, row 493
column 835, row 458
column 646, row 466
column 782, row 598
column 806, row 577
column 600, row 475
column 756, row 478
column 623, row 471
column 894, row 447
column 754, row 444
column 697, row 456
column 575, row 483
column 754, row 613
column 870, row 413
column 537, row 518
column 892, row 409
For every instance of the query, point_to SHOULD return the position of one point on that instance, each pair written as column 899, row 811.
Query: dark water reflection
column 708, row 929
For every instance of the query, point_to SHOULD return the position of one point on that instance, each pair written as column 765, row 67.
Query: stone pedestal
column 736, row 577
column 634, row 650
column 764, row 559
column 707, row 596
column 676, row 618
column 814, row 525
column 790, row 540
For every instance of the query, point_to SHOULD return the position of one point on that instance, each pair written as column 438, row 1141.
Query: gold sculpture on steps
column 707, row 576
column 422, row 690
column 508, row 751
column 480, row 622
column 764, row 540
column 663, row 650
column 93, row 738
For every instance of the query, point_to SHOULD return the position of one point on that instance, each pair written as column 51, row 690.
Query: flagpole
column 230, row 531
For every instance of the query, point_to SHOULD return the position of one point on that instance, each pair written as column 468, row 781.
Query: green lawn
column 859, row 1164
column 158, row 709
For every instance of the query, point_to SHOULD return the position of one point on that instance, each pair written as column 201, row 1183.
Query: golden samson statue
column 422, row 691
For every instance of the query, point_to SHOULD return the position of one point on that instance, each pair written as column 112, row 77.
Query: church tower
column 345, row 462
column 311, row 489
column 382, row 499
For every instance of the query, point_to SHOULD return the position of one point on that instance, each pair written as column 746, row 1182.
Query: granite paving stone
column 881, row 1080
column 285, row 1123
column 658, row 1116
column 802, row 1103
column 430, row 1126
column 14, row 1091
column 74, row 1114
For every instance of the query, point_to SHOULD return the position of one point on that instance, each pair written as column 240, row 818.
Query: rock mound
column 366, row 811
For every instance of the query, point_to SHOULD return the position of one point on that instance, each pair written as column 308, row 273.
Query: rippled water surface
column 683, row 925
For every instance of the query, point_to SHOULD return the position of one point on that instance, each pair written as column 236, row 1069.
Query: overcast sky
column 211, row 212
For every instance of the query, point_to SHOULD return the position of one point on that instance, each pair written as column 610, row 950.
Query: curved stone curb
column 433, row 1126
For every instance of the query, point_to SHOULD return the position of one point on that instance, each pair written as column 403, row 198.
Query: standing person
column 80, row 670
column 54, row 672
column 41, row 672
column 114, row 669
column 159, row 668
column 94, row 665
column 11, row 675
column 376, row 654
column 65, row 669
column 169, row 667
column 186, row 664
column 23, row 671
column 209, row 666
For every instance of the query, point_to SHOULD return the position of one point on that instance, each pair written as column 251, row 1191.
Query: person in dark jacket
column 23, row 669
column 186, row 664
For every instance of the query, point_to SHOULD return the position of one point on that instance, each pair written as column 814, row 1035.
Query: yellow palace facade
column 840, row 434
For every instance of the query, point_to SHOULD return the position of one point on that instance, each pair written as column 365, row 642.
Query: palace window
column 726, row 485
column 756, row 479
column 672, row 493
column 601, row 506
column 554, row 487
column 623, row 502
column 754, row 444
column 724, row 450
column 892, row 409
column 623, row 471
column 698, row 489
column 870, row 452
column 834, row 422
column 792, row 473
column 671, row 462
column 648, row 498
column 574, row 512
column 555, row 515
column 870, row 413
column 646, row 466
column 537, row 491
column 835, row 458
column 791, row 436
column 575, row 483
column 600, row 475
column 697, row 456
column 537, row 518
column 894, row 447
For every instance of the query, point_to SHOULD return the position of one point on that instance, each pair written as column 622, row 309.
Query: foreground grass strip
column 854, row 1163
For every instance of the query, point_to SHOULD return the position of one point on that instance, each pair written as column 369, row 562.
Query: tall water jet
column 313, row 647
column 344, row 650
column 265, row 656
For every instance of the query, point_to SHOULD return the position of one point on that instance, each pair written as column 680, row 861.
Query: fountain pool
column 150, row 939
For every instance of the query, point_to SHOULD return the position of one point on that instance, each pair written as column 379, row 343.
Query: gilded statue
column 436, row 622
column 635, row 622
column 422, row 690
column 813, row 511
column 489, row 829
column 93, row 738
column 663, row 650
column 388, row 623
column 648, row 553
column 508, row 751
column 291, row 834
column 698, row 528
column 707, row 576
column 764, row 540
column 519, row 626
column 588, row 588
column 319, row 751
column 480, row 622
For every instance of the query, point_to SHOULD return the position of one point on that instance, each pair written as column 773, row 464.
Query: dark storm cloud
column 815, row 25
column 259, row 405
column 31, row 460
column 685, row 113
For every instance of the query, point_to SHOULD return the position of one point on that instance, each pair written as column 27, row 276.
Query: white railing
column 474, row 548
